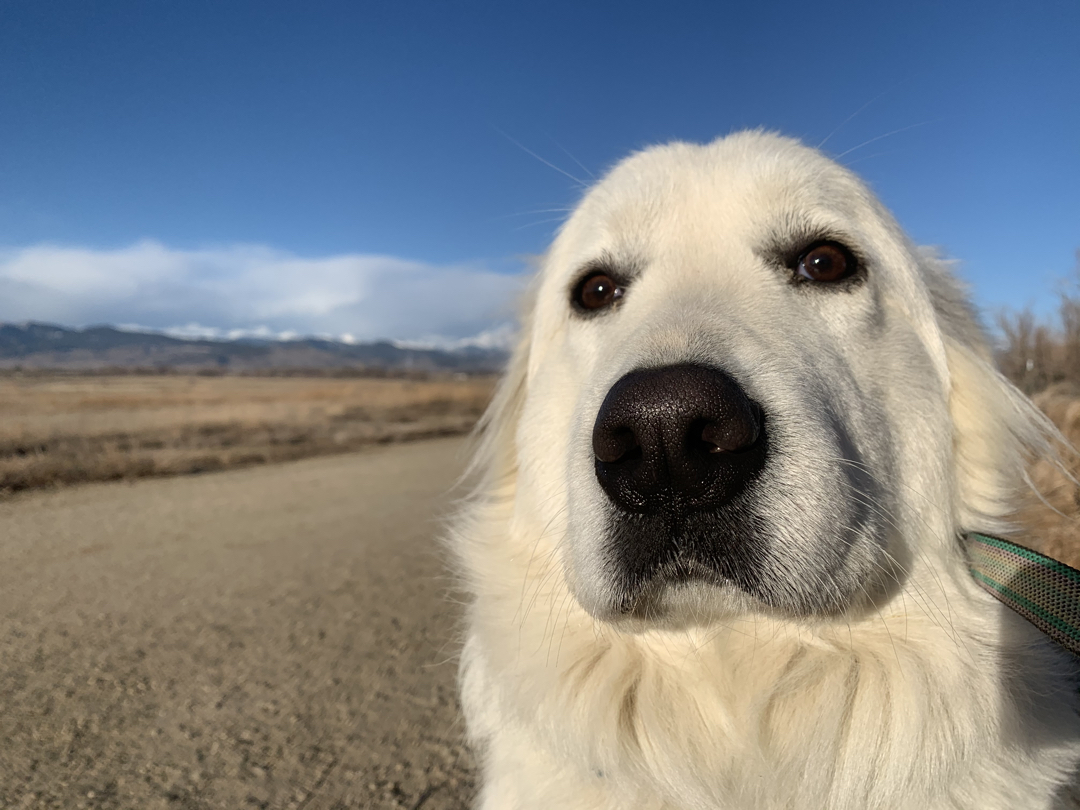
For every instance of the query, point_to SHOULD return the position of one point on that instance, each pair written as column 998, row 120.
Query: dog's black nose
column 677, row 439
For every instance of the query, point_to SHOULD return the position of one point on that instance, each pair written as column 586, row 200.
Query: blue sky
column 353, row 168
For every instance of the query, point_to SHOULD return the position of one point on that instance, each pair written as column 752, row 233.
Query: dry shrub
column 1036, row 354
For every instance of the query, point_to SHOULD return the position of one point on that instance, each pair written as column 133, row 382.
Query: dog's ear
column 997, row 431
column 495, row 457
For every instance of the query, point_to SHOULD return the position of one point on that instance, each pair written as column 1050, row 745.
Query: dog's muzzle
column 676, row 440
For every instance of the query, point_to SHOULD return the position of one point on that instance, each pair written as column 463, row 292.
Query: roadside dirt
column 273, row 637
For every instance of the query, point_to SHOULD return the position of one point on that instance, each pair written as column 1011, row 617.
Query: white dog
column 715, row 550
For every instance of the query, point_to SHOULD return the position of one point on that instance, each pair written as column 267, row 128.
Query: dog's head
column 740, row 387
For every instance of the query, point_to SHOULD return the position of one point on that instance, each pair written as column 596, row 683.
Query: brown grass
column 1042, row 357
column 57, row 429
column 1052, row 521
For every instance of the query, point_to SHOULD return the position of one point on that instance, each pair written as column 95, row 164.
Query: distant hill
column 45, row 346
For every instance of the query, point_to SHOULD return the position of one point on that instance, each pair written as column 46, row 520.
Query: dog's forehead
column 751, row 187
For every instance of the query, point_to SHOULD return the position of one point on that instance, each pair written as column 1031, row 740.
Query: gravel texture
column 274, row 637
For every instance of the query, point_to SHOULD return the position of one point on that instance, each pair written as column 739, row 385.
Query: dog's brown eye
column 597, row 291
column 826, row 263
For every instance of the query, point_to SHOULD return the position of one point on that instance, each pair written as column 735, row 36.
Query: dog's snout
column 677, row 438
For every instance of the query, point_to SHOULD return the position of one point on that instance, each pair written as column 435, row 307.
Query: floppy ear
column 997, row 431
column 494, row 461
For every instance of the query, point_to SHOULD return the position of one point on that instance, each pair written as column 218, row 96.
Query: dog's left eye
column 826, row 262
column 597, row 291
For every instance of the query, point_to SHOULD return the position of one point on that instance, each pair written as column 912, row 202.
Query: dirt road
column 277, row 637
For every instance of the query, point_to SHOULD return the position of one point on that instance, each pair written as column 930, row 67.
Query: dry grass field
column 1052, row 524
column 61, row 428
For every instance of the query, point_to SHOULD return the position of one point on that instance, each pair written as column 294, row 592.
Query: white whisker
column 547, row 163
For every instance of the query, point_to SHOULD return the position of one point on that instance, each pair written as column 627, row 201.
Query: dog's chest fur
column 895, row 711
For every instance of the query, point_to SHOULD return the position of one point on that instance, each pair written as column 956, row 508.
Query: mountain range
column 34, row 345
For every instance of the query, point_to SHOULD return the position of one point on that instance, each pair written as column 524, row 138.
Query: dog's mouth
column 731, row 561
column 651, row 554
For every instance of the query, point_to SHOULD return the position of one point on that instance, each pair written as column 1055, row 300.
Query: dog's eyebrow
column 623, row 269
column 789, row 235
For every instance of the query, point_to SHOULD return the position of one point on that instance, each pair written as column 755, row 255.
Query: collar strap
column 1042, row 590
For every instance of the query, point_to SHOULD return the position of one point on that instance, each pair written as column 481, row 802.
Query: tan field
column 1053, row 521
column 69, row 428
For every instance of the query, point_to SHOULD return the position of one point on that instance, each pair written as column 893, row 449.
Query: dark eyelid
column 602, row 265
column 624, row 266
column 594, row 268
column 798, row 255
column 787, row 247
column 786, row 252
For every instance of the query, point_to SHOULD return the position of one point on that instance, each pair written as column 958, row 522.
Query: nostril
column 611, row 446
column 730, row 435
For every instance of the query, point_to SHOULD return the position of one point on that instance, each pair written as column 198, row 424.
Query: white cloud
column 253, row 291
column 501, row 336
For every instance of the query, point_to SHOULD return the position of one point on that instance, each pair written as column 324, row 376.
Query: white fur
column 922, row 692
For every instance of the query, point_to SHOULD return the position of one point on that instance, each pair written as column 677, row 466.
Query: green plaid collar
column 1042, row 590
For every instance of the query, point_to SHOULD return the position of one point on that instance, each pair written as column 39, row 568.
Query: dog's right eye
column 597, row 291
column 826, row 263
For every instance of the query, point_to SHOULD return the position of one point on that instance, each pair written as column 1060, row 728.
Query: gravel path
column 276, row 637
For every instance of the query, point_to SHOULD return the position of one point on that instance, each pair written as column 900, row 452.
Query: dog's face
column 734, row 364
